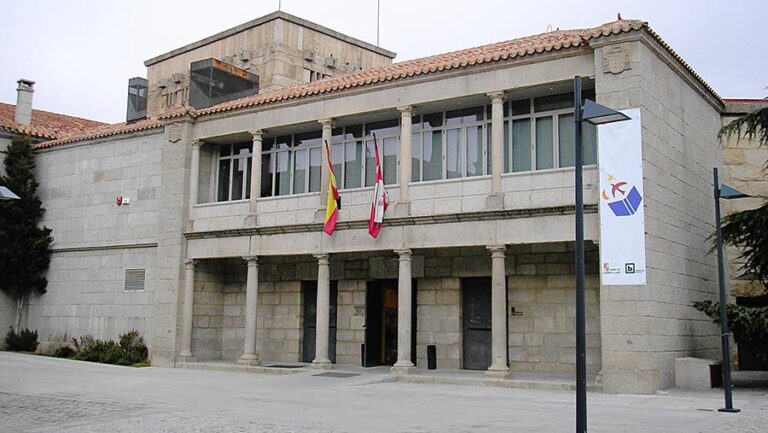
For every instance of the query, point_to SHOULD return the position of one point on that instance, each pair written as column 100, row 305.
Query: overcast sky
column 82, row 52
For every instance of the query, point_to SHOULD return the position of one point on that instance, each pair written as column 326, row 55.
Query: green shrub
column 129, row 351
column 24, row 341
column 64, row 352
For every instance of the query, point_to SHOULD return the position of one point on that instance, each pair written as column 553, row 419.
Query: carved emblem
column 174, row 133
column 616, row 60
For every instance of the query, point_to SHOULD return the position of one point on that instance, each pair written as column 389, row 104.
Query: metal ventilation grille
column 135, row 279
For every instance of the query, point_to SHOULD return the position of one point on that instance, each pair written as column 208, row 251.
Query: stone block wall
column 438, row 321
column 279, row 321
column 646, row 327
column 350, row 321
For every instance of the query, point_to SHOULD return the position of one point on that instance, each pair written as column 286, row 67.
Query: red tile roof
column 45, row 124
column 500, row 51
column 104, row 131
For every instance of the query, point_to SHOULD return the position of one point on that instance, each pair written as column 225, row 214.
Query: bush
column 749, row 325
column 129, row 351
column 64, row 352
column 24, row 341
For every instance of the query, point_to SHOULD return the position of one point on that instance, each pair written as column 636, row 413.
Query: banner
column 622, row 219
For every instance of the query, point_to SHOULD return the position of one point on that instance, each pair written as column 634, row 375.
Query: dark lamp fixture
column 597, row 114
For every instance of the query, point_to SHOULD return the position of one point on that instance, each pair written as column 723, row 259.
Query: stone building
column 215, row 250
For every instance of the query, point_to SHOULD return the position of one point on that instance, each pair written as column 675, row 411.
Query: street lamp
column 7, row 194
column 595, row 114
column 726, row 192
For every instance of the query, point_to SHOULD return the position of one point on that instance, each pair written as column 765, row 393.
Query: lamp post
column 7, row 194
column 726, row 192
column 595, row 114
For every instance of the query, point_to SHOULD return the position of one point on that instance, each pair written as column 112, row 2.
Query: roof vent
column 162, row 83
column 137, row 99
column 330, row 62
column 245, row 55
column 309, row 55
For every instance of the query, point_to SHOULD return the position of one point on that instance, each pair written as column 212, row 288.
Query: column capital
column 251, row 260
column 189, row 263
column 322, row 258
column 497, row 250
column 326, row 123
column 256, row 134
column 405, row 109
column 196, row 143
column 496, row 96
column 405, row 253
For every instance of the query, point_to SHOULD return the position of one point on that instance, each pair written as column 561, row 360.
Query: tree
column 24, row 246
column 748, row 229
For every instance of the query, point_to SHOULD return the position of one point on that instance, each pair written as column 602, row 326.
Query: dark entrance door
column 309, row 290
column 476, row 323
column 380, row 346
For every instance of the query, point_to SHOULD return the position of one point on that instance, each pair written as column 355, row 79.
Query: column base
column 497, row 373
column 403, row 368
column 250, row 221
column 494, row 201
column 249, row 359
column 186, row 358
column 321, row 364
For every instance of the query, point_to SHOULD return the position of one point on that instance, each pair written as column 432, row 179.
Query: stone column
column 496, row 198
column 250, row 357
column 322, row 328
column 250, row 219
column 325, row 172
column 187, row 312
column 406, row 114
column 403, row 364
column 499, row 365
column 194, row 181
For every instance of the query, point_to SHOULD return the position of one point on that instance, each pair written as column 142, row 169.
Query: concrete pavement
column 39, row 394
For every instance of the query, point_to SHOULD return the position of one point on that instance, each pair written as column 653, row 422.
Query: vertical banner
column 622, row 219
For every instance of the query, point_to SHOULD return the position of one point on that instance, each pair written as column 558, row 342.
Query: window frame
column 233, row 158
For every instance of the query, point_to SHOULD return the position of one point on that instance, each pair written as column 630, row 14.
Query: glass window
column 521, row 107
column 282, row 173
column 353, row 162
column 388, row 127
column 433, row 155
column 315, row 163
column 467, row 115
column 233, row 179
column 506, row 146
column 266, row 175
column 223, row 189
column 453, row 157
column 521, row 145
column 337, row 157
column 554, row 102
column 389, row 159
column 544, row 145
column 588, row 142
column 299, row 171
column 416, row 157
column 474, row 150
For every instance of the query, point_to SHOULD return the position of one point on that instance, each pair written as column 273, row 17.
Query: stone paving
column 46, row 395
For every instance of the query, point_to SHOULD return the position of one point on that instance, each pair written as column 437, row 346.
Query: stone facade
column 513, row 228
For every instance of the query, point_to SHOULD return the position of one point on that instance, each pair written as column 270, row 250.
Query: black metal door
column 309, row 289
column 476, row 323
column 373, row 324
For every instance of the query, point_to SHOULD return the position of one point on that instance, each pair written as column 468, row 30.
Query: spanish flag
column 334, row 200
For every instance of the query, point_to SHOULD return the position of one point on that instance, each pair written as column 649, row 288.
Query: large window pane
column 521, row 145
column 553, row 102
column 544, row 148
column 416, row 157
column 370, row 162
column 433, row 155
column 282, row 175
column 565, row 138
column 239, row 172
column 353, row 162
column 387, row 127
column 266, row 174
column 299, row 171
column 467, row 115
column 389, row 159
column 434, row 120
column 337, row 158
column 308, row 139
column 315, row 163
column 248, row 178
column 506, row 147
column 474, row 150
column 589, row 142
column 223, row 190
column 453, row 163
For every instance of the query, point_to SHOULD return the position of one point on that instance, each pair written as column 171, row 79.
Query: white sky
column 82, row 52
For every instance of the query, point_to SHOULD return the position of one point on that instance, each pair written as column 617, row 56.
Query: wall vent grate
column 135, row 279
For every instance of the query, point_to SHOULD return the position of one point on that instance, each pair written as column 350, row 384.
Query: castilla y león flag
column 334, row 199
column 380, row 200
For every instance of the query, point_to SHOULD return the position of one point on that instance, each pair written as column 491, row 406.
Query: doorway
column 476, row 323
column 380, row 347
column 309, row 291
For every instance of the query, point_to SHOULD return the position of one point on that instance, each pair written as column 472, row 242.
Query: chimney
column 24, row 101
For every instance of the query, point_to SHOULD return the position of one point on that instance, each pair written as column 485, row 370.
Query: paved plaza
column 39, row 394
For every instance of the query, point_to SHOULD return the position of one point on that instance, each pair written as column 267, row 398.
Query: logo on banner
column 624, row 199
